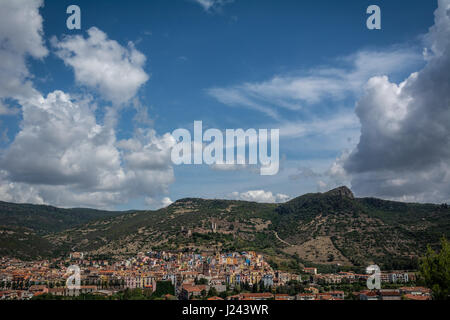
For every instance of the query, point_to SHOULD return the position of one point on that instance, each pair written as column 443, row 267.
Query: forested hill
column 322, row 228
column 45, row 219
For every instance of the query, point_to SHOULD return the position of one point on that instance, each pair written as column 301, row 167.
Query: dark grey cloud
column 404, row 149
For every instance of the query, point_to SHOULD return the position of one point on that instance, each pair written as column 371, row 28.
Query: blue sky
column 300, row 66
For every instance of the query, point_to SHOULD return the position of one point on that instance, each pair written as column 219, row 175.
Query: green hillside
column 44, row 219
column 23, row 243
column 332, row 228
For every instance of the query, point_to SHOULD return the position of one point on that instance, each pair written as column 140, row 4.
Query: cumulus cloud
column 293, row 92
column 335, row 176
column 63, row 156
column 20, row 37
column 158, row 203
column 260, row 196
column 332, row 176
column 166, row 201
column 103, row 64
column 404, row 149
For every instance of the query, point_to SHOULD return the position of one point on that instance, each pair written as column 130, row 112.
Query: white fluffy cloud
column 158, row 203
column 64, row 157
column 63, row 154
column 260, row 196
column 166, row 201
column 20, row 37
column 103, row 64
column 404, row 149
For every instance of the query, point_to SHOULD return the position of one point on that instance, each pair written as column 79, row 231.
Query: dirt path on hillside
column 276, row 235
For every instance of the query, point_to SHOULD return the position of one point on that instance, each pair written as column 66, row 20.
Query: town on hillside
column 190, row 276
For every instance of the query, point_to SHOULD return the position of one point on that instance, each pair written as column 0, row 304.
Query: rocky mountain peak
column 343, row 192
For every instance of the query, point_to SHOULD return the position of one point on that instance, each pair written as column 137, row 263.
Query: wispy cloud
column 323, row 126
column 311, row 87
column 238, row 97
column 212, row 5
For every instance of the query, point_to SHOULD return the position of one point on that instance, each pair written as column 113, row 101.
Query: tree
column 133, row 294
column 163, row 288
column 201, row 281
column 435, row 270
column 212, row 292
column 261, row 286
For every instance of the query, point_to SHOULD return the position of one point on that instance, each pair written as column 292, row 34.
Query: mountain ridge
column 326, row 228
column 47, row 218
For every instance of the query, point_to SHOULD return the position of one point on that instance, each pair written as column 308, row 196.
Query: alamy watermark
column 211, row 148
column 374, row 280
column 73, row 282
column 374, row 20
column 73, row 22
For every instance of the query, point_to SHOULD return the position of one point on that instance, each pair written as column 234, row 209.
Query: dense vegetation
column 435, row 271
column 23, row 243
column 44, row 219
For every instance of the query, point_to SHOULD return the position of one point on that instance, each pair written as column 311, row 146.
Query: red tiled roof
column 263, row 294
column 282, row 297
column 416, row 297
column 369, row 293
column 194, row 288
column 247, row 296
column 390, row 293
column 417, row 289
